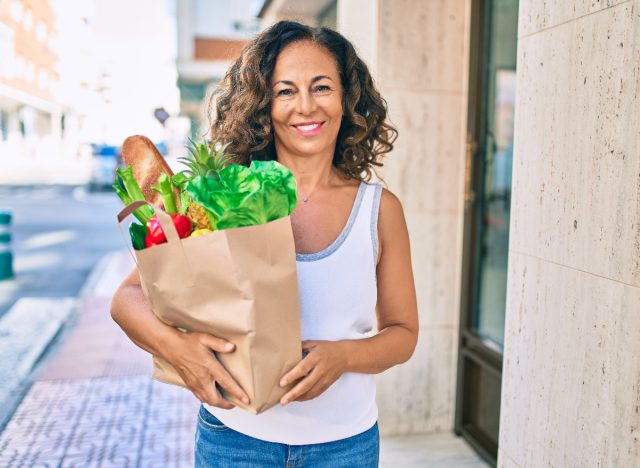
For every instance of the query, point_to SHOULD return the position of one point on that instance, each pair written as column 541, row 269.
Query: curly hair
column 242, row 102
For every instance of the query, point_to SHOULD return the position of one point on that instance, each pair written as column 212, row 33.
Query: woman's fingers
column 300, row 370
column 217, row 344
column 301, row 388
column 227, row 382
column 309, row 344
column 317, row 389
column 218, row 372
column 200, row 369
column 212, row 397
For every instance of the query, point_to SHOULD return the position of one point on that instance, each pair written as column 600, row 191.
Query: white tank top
column 338, row 294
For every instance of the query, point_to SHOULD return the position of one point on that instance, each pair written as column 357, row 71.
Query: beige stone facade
column 571, row 379
column 420, row 70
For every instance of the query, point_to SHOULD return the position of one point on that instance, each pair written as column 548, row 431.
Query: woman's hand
column 325, row 362
column 190, row 353
column 192, row 357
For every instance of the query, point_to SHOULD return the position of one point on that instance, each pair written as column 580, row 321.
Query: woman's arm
column 397, row 309
column 190, row 353
column 397, row 315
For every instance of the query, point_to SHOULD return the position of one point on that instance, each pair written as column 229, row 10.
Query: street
column 59, row 233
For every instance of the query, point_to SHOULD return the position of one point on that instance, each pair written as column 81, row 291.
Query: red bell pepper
column 155, row 234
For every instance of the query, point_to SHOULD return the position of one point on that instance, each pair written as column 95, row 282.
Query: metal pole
column 6, row 256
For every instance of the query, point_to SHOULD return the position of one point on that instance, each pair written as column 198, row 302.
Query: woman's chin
column 310, row 150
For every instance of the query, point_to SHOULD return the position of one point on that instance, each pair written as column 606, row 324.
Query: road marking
column 48, row 239
column 79, row 193
column 36, row 261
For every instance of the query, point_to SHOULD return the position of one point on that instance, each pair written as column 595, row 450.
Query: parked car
column 106, row 159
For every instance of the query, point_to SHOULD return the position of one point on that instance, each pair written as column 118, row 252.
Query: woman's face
column 306, row 109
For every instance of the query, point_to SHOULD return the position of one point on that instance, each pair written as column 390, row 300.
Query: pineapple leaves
column 204, row 160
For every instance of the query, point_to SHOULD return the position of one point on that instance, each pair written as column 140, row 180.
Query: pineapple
column 199, row 216
column 205, row 161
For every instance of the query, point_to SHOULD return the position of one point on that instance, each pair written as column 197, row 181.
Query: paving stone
column 123, row 421
column 25, row 332
column 79, row 462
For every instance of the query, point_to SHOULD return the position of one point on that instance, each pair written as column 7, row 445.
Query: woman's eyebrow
column 319, row 77
column 313, row 80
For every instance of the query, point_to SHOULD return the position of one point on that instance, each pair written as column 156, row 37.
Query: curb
column 33, row 329
column 102, row 268
column 27, row 333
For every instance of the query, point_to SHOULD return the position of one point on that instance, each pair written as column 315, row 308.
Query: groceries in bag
column 220, row 259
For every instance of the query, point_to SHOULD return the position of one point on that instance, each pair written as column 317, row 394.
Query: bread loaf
column 142, row 155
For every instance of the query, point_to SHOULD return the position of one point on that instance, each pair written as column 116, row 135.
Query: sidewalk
column 93, row 403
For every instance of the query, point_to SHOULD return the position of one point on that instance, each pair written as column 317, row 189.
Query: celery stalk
column 165, row 190
column 131, row 192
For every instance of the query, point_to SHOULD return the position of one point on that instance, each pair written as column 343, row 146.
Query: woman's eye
column 284, row 92
column 322, row 88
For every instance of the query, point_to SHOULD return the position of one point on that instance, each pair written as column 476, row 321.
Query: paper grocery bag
column 239, row 284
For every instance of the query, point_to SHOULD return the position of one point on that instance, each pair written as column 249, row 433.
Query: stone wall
column 420, row 66
column 571, row 379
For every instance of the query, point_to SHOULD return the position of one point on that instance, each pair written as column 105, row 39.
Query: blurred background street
column 60, row 233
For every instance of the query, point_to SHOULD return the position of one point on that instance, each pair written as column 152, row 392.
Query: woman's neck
column 311, row 172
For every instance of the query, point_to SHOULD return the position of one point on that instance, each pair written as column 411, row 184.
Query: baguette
column 147, row 163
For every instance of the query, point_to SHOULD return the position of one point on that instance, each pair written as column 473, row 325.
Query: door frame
column 470, row 346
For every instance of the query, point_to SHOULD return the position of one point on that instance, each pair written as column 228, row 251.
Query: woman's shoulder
column 389, row 202
column 391, row 219
column 392, row 226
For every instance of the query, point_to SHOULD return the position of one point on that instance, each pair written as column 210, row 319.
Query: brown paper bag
column 239, row 284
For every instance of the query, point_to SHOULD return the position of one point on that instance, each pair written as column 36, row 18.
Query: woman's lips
column 308, row 128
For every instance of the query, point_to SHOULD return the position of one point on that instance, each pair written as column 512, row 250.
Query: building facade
column 211, row 33
column 48, row 79
column 30, row 116
column 518, row 165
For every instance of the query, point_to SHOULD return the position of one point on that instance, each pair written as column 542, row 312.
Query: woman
column 302, row 96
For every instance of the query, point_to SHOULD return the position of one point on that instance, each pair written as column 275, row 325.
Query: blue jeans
column 219, row 446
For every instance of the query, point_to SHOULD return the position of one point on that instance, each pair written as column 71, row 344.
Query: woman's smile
column 308, row 128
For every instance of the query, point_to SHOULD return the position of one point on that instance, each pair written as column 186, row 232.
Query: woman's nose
column 306, row 103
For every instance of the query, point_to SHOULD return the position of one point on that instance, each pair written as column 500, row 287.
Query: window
column 4, row 125
column 16, row 11
column 27, row 20
column 41, row 32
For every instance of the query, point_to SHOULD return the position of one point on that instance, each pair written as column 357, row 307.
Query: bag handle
column 163, row 218
column 170, row 232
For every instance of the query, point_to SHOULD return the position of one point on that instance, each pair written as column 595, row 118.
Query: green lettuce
column 245, row 196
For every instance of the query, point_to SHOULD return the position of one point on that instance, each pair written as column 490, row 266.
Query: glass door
column 487, row 208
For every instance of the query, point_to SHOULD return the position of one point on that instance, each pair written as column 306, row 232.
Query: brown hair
column 242, row 102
